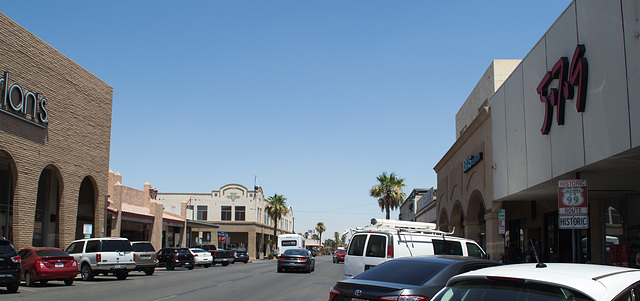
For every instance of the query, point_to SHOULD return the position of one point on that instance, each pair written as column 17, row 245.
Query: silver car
column 145, row 257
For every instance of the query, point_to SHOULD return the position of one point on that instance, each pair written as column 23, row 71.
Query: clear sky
column 315, row 97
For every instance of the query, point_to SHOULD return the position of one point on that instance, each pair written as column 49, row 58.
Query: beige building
column 55, row 131
column 239, row 213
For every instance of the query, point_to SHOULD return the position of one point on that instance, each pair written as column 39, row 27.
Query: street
column 257, row 280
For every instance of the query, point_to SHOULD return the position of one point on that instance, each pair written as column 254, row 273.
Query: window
column 357, row 245
column 240, row 213
column 376, row 246
column 403, row 272
column 115, row 245
column 93, row 246
column 474, row 250
column 289, row 243
column 443, row 247
column 75, row 247
column 202, row 213
column 226, row 213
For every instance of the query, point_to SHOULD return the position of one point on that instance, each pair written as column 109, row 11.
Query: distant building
column 239, row 212
column 408, row 208
column 426, row 211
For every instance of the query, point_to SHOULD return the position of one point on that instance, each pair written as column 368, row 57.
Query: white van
column 388, row 239
column 289, row 241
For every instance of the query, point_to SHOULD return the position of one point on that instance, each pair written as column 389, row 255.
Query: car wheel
column 86, row 273
column 13, row 287
column 171, row 266
column 27, row 279
column 68, row 282
column 149, row 272
column 233, row 262
column 122, row 275
column 280, row 270
column 207, row 265
column 224, row 264
column 191, row 267
column 44, row 282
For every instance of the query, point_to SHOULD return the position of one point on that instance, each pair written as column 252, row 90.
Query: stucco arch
column 443, row 220
column 475, row 224
column 8, row 180
column 87, row 204
column 457, row 218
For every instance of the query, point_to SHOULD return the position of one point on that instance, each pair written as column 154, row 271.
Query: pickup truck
column 220, row 256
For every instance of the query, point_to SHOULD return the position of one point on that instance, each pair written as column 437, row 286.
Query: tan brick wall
column 76, row 141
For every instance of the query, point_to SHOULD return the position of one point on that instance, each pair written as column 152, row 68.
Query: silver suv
column 105, row 255
column 145, row 257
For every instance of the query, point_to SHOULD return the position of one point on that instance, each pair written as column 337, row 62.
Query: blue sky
column 315, row 97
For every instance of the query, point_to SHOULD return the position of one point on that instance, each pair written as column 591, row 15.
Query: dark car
column 44, row 264
column 176, row 257
column 411, row 278
column 145, row 257
column 240, row 255
column 296, row 259
column 338, row 256
column 9, row 266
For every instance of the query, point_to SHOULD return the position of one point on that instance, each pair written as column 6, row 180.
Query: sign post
column 501, row 222
column 573, row 208
column 87, row 230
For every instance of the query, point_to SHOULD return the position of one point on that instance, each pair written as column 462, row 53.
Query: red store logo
column 568, row 77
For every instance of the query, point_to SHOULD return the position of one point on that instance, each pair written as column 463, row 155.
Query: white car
column 202, row 257
column 103, row 255
column 542, row 282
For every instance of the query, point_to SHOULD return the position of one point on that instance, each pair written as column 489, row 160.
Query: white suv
column 106, row 255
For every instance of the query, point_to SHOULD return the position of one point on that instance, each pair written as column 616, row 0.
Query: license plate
column 59, row 265
column 358, row 299
column 117, row 266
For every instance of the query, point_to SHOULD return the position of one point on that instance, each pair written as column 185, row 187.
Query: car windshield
column 295, row 252
column 109, row 245
column 484, row 289
column 403, row 272
column 51, row 252
column 143, row 247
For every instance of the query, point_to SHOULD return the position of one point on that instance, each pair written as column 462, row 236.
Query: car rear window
column 289, row 243
column 116, row 245
column 143, row 247
column 484, row 289
column 50, row 252
column 199, row 251
column 183, row 251
column 295, row 252
column 6, row 247
column 403, row 272
column 356, row 247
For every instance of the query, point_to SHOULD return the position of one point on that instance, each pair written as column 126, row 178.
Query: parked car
column 240, row 255
column 408, row 278
column 551, row 281
column 9, row 266
column 296, row 259
column 380, row 242
column 176, row 257
column 103, row 255
column 338, row 255
column 202, row 257
column 220, row 256
column 145, row 257
column 44, row 264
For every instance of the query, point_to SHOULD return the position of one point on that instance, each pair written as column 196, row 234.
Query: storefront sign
column 572, row 197
column 573, row 221
column 567, row 77
column 471, row 162
column 501, row 222
column 25, row 105
column 620, row 255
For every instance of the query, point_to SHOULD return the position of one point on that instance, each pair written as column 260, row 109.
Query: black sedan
column 240, row 255
column 296, row 259
column 410, row 278
column 176, row 257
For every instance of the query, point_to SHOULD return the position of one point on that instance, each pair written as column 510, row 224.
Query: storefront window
column 6, row 199
column 621, row 243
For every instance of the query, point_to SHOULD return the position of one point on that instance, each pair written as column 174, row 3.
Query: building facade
column 239, row 213
column 55, row 129
column 569, row 111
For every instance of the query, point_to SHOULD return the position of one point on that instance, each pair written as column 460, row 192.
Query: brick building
column 55, row 130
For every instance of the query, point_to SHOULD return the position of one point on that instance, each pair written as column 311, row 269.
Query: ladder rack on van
column 407, row 226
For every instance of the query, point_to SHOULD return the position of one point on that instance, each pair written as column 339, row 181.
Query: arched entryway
column 443, row 221
column 457, row 220
column 476, row 225
column 46, row 221
column 7, row 183
column 87, row 197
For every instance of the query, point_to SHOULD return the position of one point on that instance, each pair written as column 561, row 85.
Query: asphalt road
column 257, row 280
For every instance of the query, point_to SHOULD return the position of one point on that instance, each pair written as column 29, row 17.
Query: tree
column 336, row 238
column 389, row 192
column 305, row 235
column 276, row 208
column 320, row 228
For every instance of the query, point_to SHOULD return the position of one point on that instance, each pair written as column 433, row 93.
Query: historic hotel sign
column 568, row 76
column 26, row 105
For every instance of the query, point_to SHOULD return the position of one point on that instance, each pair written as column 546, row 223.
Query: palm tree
column 305, row 235
column 336, row 237
column 389, row 192
column 320, row 228
column 276, row 208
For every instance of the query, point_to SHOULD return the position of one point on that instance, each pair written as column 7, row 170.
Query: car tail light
column 390, row 251
column 15, row 259
column 404, row 298
column 74, row 263
column 303, row 259
column 98, row 257
column 175, row 257
column 281, row 258
column 333, row 292
column 39, row 264
column 134, row 256
column 195, row 255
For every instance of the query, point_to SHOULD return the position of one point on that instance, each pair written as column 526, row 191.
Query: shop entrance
column 45, row 225
column 6, row 197
column 86, row 207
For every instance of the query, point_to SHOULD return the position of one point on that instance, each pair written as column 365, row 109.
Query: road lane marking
column 165, row 298
column 224, row 283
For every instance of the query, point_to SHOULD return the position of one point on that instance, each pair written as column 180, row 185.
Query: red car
column 338, row 256
column 44, row 264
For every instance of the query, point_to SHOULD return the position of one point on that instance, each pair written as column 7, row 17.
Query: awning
column 203, row 224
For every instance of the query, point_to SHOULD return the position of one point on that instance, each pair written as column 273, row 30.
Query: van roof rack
column 407, row 226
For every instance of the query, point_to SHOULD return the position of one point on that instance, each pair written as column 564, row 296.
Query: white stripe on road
column 224, row 283
column 165, row 298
